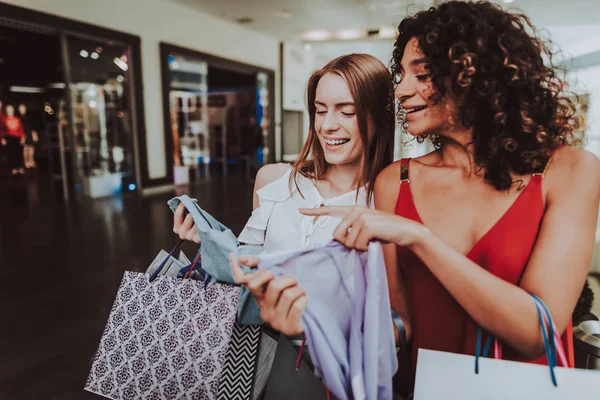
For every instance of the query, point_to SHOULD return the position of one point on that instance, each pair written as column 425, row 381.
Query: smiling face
column 415, row 92
column 336, row 124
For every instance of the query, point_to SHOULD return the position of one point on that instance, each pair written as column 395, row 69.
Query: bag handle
column 162, row 264
column 553, row 345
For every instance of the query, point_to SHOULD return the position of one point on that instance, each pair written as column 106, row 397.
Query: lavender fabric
column 347, row 320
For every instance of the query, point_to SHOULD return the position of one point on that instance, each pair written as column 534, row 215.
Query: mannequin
column 31, row 137
column 15, row 139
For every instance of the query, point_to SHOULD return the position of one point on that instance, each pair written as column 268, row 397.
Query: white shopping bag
column 442, row 375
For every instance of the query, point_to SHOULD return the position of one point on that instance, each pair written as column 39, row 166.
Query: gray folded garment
column 171, row 268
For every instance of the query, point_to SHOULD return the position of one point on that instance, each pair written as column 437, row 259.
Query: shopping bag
column 291, row 378
column 165, row 339
column 170, row 338
column 442, row 375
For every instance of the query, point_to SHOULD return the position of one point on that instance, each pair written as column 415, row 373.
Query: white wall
column 159, row 20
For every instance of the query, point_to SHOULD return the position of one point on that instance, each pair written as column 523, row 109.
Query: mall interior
column 127, row 104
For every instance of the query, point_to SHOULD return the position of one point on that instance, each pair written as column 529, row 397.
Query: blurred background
column 133, row 102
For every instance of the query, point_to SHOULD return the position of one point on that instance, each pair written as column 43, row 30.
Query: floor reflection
column 60, row 268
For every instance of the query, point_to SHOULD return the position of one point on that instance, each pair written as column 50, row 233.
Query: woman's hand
column 281, row 300
column 184, row 225
column 361, row 224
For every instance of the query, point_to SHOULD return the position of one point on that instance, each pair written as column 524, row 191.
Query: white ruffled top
column 278, row 225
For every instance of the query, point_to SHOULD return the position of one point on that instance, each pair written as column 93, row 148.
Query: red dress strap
column 404, row 163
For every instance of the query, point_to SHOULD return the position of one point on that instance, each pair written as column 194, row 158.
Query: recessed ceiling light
column 99, row 50
column 284, row 13
column 94, row 56
column 349, row 34
column 84, row 53
column 387, row 32
column 316, row 35
column 121, row 64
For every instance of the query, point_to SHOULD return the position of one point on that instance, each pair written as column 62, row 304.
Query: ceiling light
column 120, row 78
column 387, row 32
column 84, row 53
column 307, row 47
column 348, row 34
column 284, row 13
column 57, row 85
column 316, row 35
column 98, row 49
column 124, row 58
column 121, row 64
column 94, row 56
column 26, row 89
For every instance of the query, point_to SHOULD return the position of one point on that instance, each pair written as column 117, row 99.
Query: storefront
column 80, row 85
column 218, row 115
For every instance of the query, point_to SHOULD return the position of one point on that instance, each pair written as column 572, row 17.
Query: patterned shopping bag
column 165, row 339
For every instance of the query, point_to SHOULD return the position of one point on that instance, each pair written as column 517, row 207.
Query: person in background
column 2, row 134
column 15, row 139
column 31, row 137
column 250, row 141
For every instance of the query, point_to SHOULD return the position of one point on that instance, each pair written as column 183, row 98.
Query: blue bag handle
column 162, row 265
column 548, row 337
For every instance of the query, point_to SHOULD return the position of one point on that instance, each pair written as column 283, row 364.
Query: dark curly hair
column 507, row 87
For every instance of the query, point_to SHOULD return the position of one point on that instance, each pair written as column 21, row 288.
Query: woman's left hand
column 360, row 225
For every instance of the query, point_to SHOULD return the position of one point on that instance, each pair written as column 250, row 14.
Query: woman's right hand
column 184, row 226
column 281, row 300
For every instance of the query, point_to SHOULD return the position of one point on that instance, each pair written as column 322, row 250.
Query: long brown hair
column 372, row 90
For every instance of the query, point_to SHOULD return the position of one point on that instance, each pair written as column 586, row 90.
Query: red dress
column 439, row 322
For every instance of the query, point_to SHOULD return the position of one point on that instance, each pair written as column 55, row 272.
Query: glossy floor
column 60, row 268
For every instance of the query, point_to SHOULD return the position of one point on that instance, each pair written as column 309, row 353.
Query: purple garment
column 347, row 321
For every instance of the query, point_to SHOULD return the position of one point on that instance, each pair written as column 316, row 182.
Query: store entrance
column 219, row 117
column 31, row 92
column 66, row 120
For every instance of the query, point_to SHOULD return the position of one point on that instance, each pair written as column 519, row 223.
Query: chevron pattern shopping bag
column 238, row 372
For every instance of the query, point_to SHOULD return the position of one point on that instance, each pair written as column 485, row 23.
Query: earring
column 402, row 120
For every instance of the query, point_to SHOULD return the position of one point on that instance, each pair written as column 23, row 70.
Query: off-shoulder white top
column 278, row 225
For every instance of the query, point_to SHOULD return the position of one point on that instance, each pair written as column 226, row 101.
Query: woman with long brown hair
column 350, row 141
column 506, row 206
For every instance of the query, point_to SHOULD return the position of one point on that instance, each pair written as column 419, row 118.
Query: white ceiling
column 335, row 15
column 330, row 15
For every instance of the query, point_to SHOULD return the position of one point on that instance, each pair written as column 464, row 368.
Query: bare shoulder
column 270, row 173
column 569, row 162
column 573, row 168
column 387, row 187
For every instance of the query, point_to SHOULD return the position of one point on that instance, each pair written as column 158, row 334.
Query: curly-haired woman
column 505, row 206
